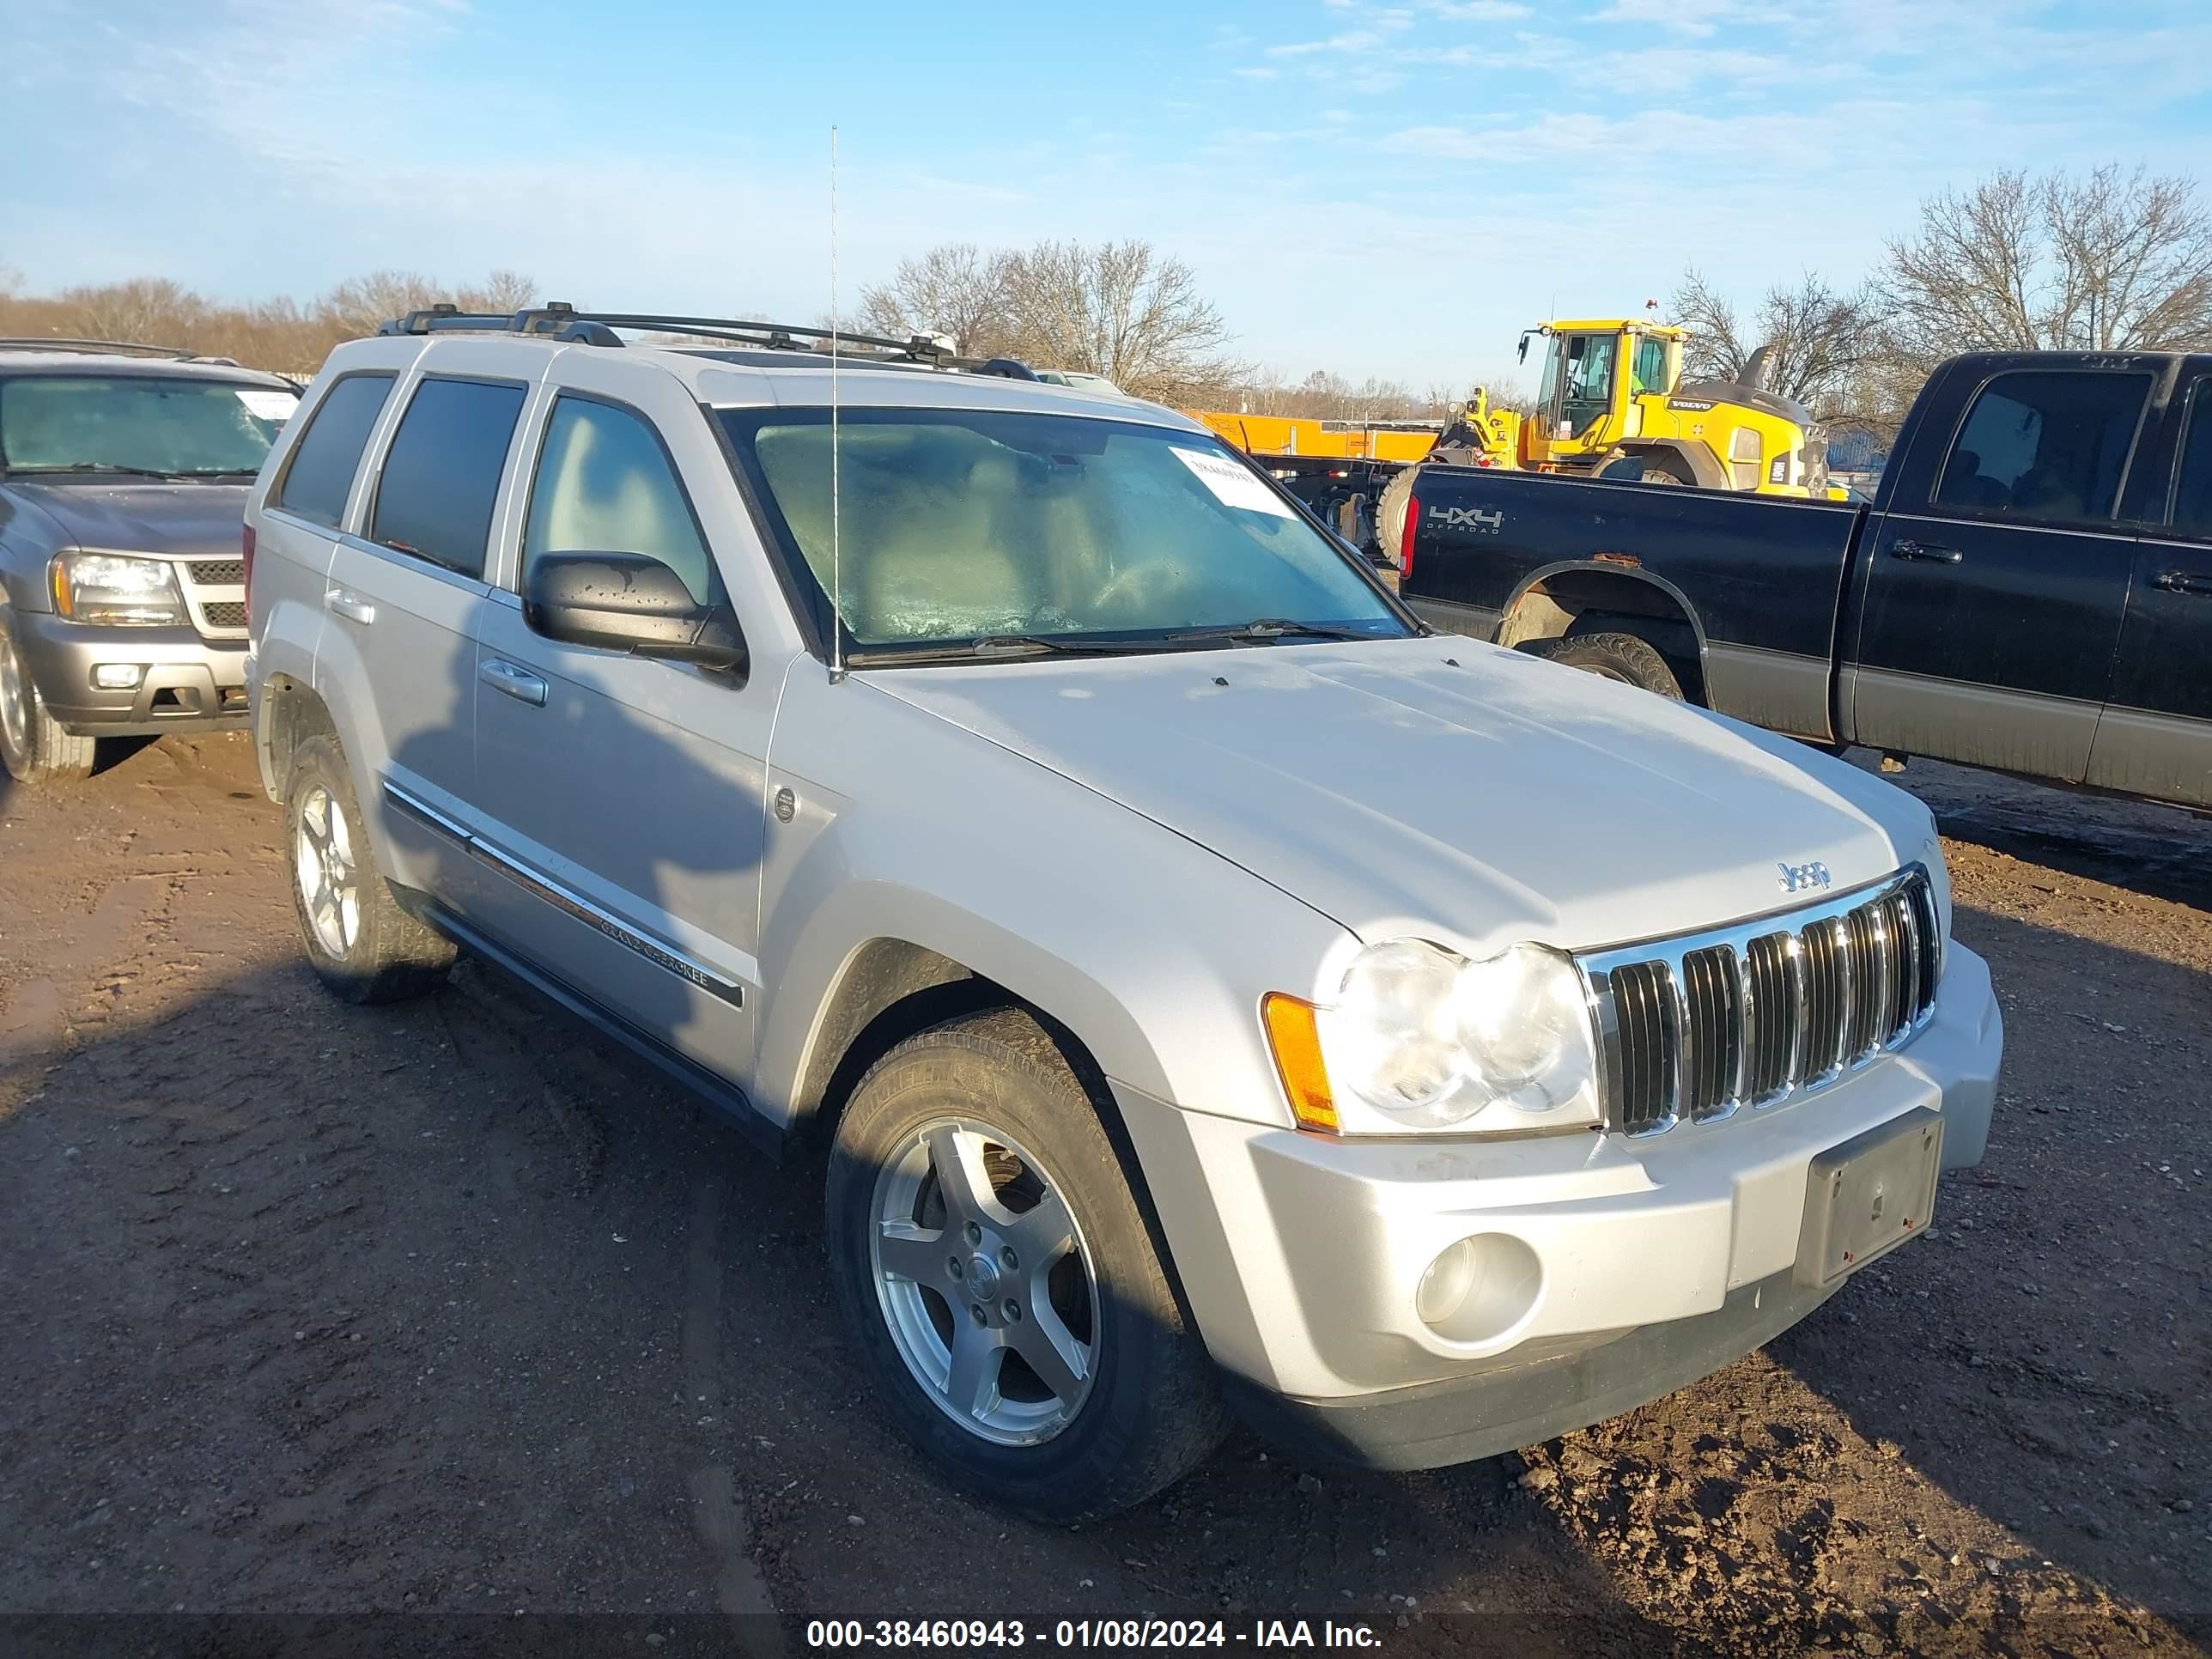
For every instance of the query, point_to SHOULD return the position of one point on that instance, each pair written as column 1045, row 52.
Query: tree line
column 288, row 336
column 2109, row 260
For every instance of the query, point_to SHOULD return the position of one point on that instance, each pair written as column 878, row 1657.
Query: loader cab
column 1594, row 374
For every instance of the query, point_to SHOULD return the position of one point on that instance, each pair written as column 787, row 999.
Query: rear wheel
column 1390, row 510
column 363, row 946
column 34, row 747
column 1001, row 1283
column 1649, row 469
column 1620, row 657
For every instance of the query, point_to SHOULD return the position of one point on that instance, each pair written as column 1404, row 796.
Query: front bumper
column 1610, row 1271
column 187, row 682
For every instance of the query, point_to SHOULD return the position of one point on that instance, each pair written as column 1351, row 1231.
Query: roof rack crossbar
column 564, row 322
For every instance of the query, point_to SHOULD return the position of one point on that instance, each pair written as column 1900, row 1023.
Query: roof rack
column 40, row 342
column 566, row 323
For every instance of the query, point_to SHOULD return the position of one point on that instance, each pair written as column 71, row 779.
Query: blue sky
column 1392, row 189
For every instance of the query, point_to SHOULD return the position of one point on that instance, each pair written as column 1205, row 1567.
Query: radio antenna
column 837, row 525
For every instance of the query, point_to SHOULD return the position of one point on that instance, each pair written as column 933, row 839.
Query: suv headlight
column 111, row 588
column 1419, row 1037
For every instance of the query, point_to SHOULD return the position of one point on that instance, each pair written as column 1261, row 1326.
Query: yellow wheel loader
column 1612, row 403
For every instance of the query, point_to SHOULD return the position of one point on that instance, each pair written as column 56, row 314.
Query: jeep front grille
column 1752, row 1014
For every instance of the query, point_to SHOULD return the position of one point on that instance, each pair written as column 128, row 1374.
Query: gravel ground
column 447, row 1328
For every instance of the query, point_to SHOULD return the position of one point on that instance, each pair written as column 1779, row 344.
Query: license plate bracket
column 1867, row 1196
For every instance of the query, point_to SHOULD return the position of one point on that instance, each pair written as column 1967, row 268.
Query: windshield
column 166, row 426
column 963, row 526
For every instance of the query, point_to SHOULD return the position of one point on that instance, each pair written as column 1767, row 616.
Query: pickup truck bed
column 2031, row 589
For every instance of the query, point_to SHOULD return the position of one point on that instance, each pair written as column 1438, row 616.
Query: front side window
column 440, row 476
column 605, row 485
column 955, row 526
column 167, row 427
column 2049, row 445
column 320, row 474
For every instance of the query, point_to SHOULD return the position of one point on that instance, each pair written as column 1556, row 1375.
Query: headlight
column 1419, row 1037
column 108, row 587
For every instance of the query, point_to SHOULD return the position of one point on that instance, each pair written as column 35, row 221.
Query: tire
column 1391, row 508
column 989, row 1098
column 360, row 944
column 1615, row 656
column 34, row 748
column 1649, row 469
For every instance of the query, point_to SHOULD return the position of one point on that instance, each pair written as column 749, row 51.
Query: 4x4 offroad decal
column 1482, row 521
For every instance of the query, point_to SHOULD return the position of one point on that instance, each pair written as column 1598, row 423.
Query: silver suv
column 1210, row 987
column 123, row 476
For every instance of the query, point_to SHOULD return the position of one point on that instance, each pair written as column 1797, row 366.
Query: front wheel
column 1001, row 1283
column 34, row 747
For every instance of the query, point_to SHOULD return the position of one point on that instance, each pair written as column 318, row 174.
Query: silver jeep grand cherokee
column 1210, row 987
column 123, row 476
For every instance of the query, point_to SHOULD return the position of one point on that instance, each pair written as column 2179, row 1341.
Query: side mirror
column 629, row 602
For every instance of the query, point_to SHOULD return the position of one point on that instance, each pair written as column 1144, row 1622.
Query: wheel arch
column 1552, row 601
column 287, row 712
column 1704, row 467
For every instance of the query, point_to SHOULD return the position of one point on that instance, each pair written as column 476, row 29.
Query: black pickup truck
column 2030, row 590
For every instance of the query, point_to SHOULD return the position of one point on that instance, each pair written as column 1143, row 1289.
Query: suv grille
column 214, row 595
column 1694, row 1028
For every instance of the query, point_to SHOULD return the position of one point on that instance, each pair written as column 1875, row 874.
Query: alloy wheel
column 985, row 1282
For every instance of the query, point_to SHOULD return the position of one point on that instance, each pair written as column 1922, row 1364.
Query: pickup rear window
column 2049, row 445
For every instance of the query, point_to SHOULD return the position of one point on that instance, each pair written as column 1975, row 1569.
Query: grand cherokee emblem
column 1804, row 877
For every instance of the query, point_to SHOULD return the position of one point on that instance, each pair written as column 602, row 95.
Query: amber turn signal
column 1295, row 1038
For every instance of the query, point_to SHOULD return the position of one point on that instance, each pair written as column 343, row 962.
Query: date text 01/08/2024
column 1005, row 1634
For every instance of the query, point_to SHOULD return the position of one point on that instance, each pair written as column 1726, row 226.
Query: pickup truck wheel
column 1001, row 1282
column 32, row 746
column 1614, row 657
column 362, row 944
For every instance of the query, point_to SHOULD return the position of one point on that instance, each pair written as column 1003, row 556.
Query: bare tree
column 1817, row 339
column 2108, row 261
column 11, row 280
column 956, row 289
column 148, row 310
column 358, row 305
column 1121, row 310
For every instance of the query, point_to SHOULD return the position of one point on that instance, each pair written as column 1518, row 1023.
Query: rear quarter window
column 442, row 475
column 320, row 473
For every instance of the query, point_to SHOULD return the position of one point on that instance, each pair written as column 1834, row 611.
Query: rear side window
column 442, row 473
column 605, row 485
column 2047, row 445
column 322, row 467
column 2192, row 488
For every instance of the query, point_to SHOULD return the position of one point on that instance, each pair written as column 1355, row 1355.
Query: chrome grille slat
column 1754, row 1014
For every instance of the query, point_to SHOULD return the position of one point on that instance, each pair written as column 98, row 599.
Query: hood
column 200, row 519
column 1444, row 787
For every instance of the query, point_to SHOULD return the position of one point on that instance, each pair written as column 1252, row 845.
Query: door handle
column 351, row 606
column 2182, row 581
column 1928, row 552
column 517, row 682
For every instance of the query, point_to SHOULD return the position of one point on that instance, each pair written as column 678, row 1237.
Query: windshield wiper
column 988, row 645
column 94, row 468
column 1264, row 628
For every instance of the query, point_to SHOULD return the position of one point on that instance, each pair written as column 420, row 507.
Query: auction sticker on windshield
column 1232, row 486
column 268, row 405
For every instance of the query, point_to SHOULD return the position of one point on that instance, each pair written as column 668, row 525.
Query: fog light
column 117, row 676
column 1478, row 1289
